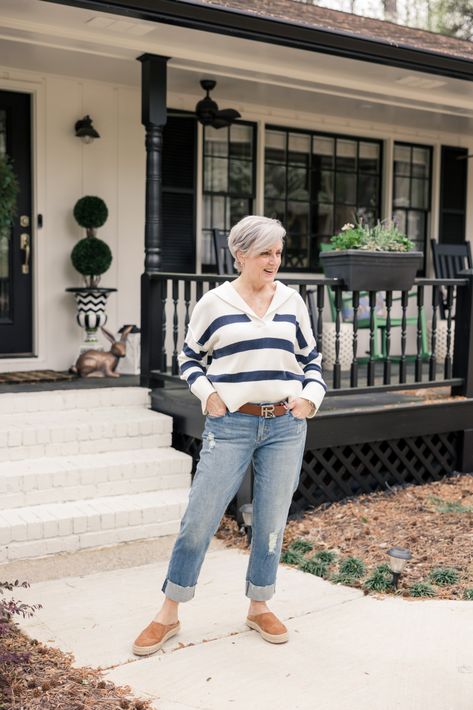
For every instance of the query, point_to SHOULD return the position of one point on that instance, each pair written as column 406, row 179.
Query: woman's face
column 261, row 266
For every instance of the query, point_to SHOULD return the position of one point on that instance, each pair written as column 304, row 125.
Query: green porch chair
column 363, row 320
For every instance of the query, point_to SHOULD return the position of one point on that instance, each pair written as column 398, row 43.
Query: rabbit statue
column 94, row 363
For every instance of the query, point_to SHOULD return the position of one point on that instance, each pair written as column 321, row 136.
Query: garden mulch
column 434, row 521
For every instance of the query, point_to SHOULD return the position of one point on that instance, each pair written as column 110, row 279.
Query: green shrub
column 327, row 556
column 290, row 557
column 468, row 594
column 314, row 566
column 380, row 579
column 301, row 545
column 449, row 506
column 91, row 257
column 90, row 212
column 443, row 576
column 422, row 589
column 352, row 567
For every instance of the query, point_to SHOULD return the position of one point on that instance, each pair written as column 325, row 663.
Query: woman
column 263, row 381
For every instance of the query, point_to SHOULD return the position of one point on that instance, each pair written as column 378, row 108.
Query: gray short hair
column 254, row 233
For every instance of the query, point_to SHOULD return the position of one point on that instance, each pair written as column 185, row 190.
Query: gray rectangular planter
column 372, row 270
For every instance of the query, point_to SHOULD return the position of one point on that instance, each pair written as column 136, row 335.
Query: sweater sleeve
column 309, row 358
column 193, row 356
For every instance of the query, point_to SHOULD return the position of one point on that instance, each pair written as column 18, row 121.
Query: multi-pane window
column 229, row 181
column 315, row 183
column 411, row 191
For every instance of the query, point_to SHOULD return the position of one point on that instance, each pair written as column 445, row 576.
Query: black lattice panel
column 341, row 471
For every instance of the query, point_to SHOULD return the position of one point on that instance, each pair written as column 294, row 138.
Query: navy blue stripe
column 319, row 382
column 304, row 359
column 188, row 365
column 193, row 377
column 256, row 344
column 219, row 323
column 300, row 338
column 286, row 318
column 257, row 375
column 191, row 353
column 312, row 366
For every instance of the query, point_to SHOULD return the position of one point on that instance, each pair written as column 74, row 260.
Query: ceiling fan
column 208, row 112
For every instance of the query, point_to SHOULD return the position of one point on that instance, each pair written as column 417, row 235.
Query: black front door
column 16, row 332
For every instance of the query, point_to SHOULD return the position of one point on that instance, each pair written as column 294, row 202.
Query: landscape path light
column 246, row 511
column 398, row 556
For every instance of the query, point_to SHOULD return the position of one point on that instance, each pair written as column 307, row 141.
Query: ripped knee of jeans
column 211, row 441
column 272, row 542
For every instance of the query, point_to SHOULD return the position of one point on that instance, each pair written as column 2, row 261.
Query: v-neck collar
column 231, row 295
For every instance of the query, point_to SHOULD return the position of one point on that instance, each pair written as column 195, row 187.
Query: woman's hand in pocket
column 215, row 406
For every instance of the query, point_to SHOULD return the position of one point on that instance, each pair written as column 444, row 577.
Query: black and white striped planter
column 91, row 313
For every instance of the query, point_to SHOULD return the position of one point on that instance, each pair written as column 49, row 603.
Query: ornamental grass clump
column 380, row 579
column 315, row 566
column 291, row 557
column 384, row 236
column 91, row 256
column 468, row 594
column 301, row 545
column 443, row 576
column 422, row 589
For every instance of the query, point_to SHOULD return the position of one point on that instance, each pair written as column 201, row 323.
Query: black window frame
column 206, row 266
column 313, row 238
column 426, row 212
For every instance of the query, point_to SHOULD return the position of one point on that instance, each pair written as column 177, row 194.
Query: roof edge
column 245, row 25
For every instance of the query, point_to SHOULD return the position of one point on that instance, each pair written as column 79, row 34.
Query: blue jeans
column 229, row 444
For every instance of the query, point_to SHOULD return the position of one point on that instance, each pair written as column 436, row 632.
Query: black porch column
column 153, row 118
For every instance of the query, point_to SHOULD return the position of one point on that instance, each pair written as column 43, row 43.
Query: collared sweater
column 247, row 358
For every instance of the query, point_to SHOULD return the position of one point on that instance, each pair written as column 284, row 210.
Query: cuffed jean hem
column 176, row 592
column 259, row 594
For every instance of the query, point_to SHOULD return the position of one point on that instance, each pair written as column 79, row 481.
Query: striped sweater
column 245, row 358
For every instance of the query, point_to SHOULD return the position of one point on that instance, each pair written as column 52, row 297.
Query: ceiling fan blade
column 228, row 114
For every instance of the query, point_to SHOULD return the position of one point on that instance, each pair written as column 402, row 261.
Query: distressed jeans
column 229, row 444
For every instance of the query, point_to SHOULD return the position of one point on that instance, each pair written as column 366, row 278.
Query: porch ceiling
column 44, row 37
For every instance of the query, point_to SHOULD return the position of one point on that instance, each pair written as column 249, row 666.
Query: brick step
column 36, row 434
column 60, row 400
column 66, row 478
column 39, row 530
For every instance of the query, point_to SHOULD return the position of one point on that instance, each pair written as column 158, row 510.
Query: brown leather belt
column 268, row 411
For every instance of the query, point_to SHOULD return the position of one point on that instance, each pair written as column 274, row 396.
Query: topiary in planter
column 91, row 257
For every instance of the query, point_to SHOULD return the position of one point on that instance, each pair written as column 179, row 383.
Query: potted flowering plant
column 379, row 258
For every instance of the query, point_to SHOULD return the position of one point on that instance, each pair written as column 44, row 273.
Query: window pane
column 399, row 217
column 296, row 251
column 297, row 218
column 369, row 157
column 401, row 192
column 421, row 162
column 402, row 160
column 275, row 209
column 297, row 183
column 322, row 186
column 322, row 219
column 416, row 228
column 241, row 141
column 208, row 249
column 323, row 150
column 275, row 150
column 368, row 190
column 344, row 215
column 215, row 175
column 215, row 141
column 240, row 179
column 346, row 188
column 275, row 180
column 299, row 149
column 214, row 212
column 239, row 209
column 367, row 216
column 419, row 194
column 346, row 155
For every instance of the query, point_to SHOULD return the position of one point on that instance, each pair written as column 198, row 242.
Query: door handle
column 26, row 247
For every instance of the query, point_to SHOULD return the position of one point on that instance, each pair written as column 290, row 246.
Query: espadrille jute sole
column 148, row 650
column 271, row 638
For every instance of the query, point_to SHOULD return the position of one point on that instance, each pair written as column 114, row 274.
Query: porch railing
column 409, row 346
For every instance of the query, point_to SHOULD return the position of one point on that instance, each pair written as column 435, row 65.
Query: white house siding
column 65, row 169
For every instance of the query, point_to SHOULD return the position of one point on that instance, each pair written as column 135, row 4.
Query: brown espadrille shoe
column 153, row 637
column 269, row 626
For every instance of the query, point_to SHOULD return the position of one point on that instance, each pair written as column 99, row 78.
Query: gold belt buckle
column 267, row 411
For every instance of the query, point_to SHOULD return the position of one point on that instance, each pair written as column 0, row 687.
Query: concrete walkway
column 346, row 651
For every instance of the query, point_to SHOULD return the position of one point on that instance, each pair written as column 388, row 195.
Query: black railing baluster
column 403, row 360
column 187, row 301
column 303, row 292
column 320, row 320
column 175, row 325
column 373, row 335
column 337, row 374
column 164, row 297
column 420, row 307
column 354, row 362
column 387, row 339
column 448, row 356
column 433, row 336
column 199, row 290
